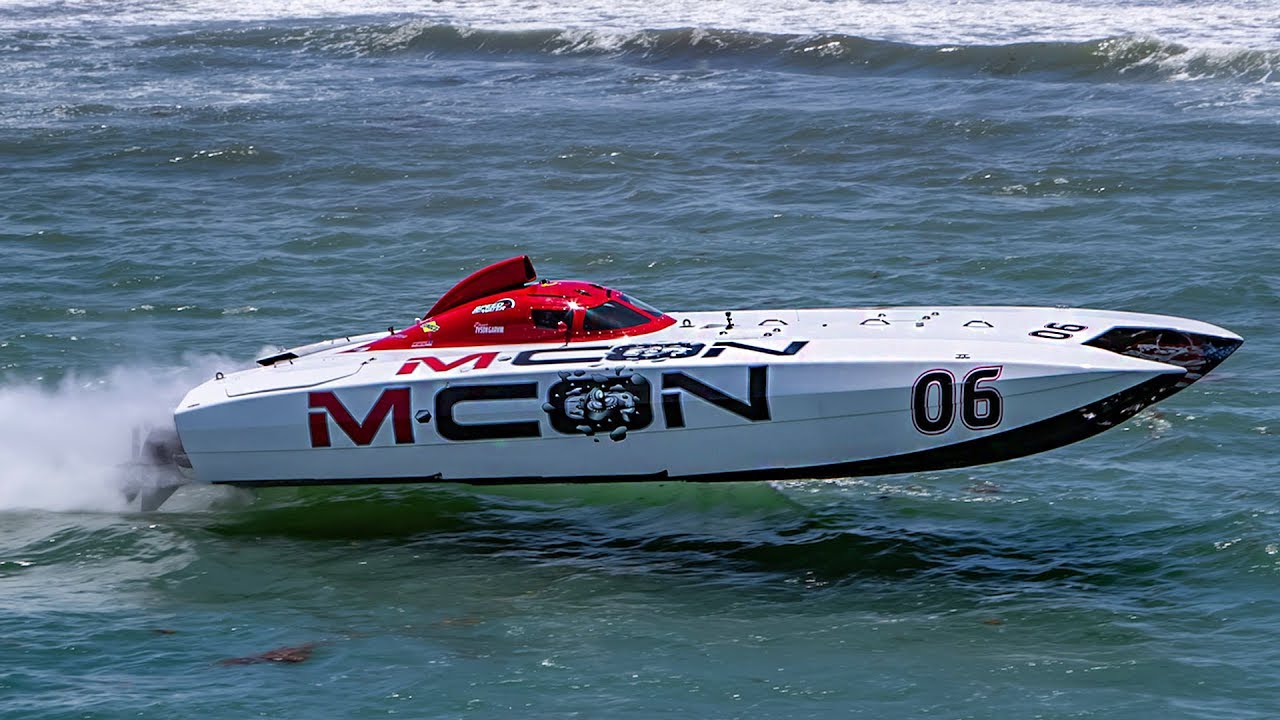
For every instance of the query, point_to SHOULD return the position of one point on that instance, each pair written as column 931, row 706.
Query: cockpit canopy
column 505, row 304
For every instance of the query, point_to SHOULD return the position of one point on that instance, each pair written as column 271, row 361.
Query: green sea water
column 175, row 196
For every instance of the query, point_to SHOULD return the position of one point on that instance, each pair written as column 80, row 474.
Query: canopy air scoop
column 510, row 274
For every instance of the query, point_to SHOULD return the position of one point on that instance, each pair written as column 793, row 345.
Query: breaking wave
column 1138, row 58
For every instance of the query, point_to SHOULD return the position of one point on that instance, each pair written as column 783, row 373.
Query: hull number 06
column 934, row 400
column 1057, row 331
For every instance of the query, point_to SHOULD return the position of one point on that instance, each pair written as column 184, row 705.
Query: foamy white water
column 69, row 447
column 1239, row 24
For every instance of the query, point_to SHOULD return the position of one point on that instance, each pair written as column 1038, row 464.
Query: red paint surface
column 506, row 316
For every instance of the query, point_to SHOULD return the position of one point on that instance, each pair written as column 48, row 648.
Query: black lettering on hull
column 450, row 397
column 791, row 349
column 532, row 357
column 755, row 409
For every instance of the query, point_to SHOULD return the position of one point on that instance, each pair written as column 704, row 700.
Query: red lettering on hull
column 481, row 360
column 324, row 406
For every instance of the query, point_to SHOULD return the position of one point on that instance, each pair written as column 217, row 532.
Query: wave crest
column 1110, row 59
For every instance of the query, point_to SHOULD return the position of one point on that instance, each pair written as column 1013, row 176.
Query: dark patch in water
column 289, row 654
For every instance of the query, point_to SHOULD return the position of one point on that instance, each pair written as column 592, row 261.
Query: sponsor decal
column 580, row 403
column 422, row 344
column 654, row 351
column 1169, row 347
column 484, row 329
column 649, row 351
column 495, row 306
column 598, row 403
column 1198, row 354
column 430, row 326
column 480, row 360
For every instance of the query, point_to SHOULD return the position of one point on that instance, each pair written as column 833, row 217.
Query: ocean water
column 185, row 183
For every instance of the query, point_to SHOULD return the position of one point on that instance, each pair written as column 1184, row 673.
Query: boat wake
column 69, row 447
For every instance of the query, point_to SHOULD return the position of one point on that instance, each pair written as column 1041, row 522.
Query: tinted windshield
column 611, row 316
column 642, row 305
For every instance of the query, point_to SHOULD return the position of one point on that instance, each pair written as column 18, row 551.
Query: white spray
column 68, row 448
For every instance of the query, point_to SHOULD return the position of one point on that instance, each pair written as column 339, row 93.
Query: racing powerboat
column 511, row 379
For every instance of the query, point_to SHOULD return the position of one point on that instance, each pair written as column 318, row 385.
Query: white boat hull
column 771, row 395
